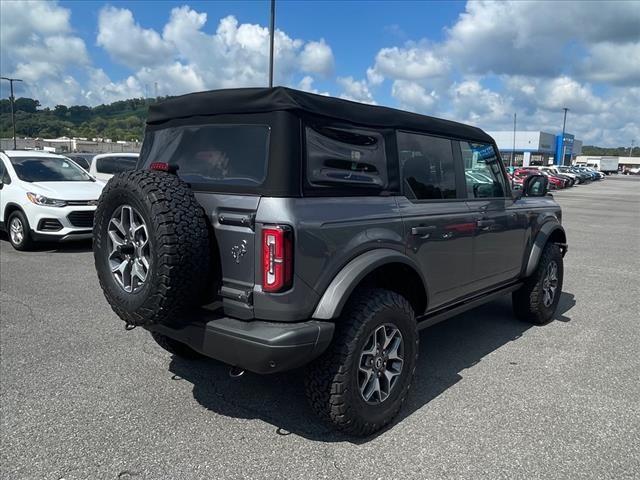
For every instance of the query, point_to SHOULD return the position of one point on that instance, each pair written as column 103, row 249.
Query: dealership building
column 536, row 148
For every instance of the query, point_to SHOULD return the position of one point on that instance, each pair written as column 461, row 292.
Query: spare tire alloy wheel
column 381, row 363
column 129, row 248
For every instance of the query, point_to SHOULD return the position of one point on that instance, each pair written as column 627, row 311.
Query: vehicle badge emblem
column 238, row 251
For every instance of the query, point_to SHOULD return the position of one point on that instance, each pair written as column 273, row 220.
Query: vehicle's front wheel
column 19, row 231
column 536, row 301
column 360, row 383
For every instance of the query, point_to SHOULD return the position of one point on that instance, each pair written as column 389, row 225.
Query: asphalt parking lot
column 81, row 398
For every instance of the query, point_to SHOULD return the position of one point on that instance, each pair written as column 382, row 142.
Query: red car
column 554, row 182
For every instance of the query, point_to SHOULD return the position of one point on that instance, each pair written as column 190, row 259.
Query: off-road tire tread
column 326, row 378
column 181, row 237
column 527, row 300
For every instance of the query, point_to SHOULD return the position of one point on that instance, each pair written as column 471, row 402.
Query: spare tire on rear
column 151, row 247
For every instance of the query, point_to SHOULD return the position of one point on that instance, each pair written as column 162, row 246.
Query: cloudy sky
column 475, row 62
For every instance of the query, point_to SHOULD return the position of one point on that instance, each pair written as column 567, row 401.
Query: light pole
column 513, row 152
column 272, row 23
column 13, row 115
column 564, row 124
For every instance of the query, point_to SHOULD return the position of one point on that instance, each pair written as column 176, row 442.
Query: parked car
column 312, row 242
column 45, row 197
column 553, row 170
column 106, row 165
column 581, row 176
column 555, row 183
column 82, row 159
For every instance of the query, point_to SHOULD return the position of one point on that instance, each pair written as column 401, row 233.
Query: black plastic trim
column 257, row 346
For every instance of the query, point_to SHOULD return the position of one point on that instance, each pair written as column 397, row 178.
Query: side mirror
column 483, row 190
column 535, row 186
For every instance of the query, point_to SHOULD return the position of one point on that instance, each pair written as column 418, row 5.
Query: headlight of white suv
column 45, row 201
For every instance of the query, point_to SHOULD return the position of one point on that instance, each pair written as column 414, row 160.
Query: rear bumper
column 257, row 346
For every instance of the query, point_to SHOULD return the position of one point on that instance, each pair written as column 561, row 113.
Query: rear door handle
column 423, row 230
column 485, row 224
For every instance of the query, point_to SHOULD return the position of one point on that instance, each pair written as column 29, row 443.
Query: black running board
column 448, row 312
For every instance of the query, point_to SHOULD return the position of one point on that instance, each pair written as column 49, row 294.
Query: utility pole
column 631, row 149
column 13, row 110
column 564, row 124
column 272, row 23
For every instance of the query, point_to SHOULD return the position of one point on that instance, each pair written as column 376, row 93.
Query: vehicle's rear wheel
column 536, row 301
column 360, row 383
column 19, row 231
column 175, row 347
column 151, row 247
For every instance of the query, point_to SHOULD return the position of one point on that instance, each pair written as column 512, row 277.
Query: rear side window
column 483, row 175
column 113, row 165
column 211, row 154
column 427, row 167
column 4, row 174
column 345, row 157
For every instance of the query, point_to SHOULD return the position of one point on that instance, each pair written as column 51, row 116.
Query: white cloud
column 126, row 42
column 413, row 96
column 532, row 58
column 306, row 84
column 412, row 62
column 475, row 104
column 317, row 57
column 236, row 55
column 355, row 90
column 37, row 45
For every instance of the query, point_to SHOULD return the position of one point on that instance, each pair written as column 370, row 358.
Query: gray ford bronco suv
column 272, row 229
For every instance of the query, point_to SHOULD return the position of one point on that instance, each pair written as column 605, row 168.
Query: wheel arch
column 550, row 231
column 383, row 268
column 9, row 209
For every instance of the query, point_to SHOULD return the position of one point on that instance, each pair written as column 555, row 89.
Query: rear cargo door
column 232, row 218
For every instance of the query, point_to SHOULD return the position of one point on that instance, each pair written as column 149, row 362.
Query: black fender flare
column 547, row 230
column 339, row 290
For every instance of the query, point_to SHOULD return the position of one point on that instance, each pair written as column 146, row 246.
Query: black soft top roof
column 262, row 100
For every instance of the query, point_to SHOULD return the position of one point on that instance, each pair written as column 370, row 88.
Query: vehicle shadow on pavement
column 72, row 247
column 447, row 349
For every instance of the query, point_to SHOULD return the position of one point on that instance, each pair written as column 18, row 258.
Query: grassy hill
column 122, row 120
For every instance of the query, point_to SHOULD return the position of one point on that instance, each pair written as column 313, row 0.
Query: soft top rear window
column 209, row 155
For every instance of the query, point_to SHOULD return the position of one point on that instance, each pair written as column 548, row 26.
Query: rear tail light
column 277, row 261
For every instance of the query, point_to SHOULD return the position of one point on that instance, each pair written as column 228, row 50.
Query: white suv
column 45, row 197
column 106, row 165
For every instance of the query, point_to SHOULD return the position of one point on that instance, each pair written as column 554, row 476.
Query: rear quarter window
column 345, row 158
column 230, row 155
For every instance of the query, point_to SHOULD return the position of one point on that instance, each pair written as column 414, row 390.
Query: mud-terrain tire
column 175, row 347
column 531, row 302
column 177, row 253
column 333, row 380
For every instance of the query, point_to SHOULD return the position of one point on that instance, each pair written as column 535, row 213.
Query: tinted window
column 345, row 156
column 4, row 174
column 48, row 169
column 115, row 165
column 483, row 175
column 426, row 167
column 211, row 154
column 83, row 160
